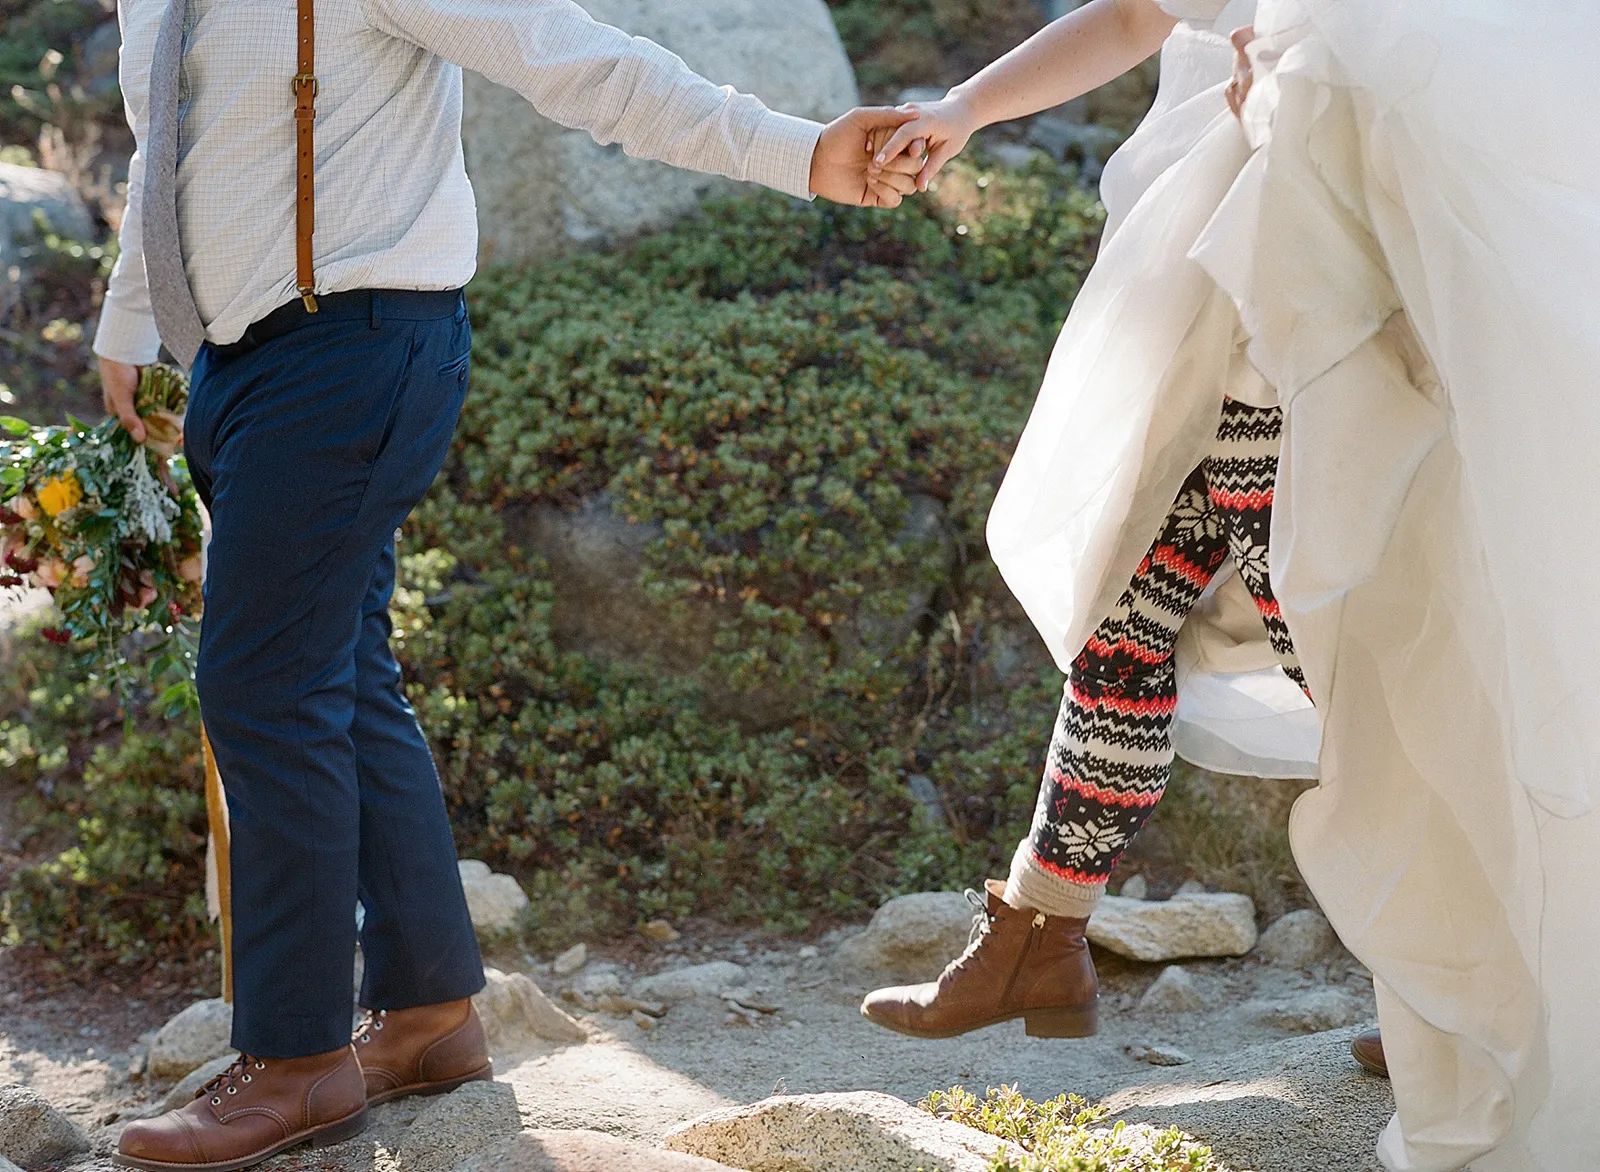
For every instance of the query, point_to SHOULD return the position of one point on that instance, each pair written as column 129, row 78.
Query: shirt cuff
column 780, row 156
column 126, row 335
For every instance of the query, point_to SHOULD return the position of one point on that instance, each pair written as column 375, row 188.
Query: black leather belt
column 369, row 305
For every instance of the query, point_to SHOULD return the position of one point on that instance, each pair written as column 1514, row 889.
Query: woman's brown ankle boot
column 1020, row 963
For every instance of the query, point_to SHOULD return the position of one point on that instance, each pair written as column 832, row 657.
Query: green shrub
column 121, row 820
column 771, row 391
column 899, row 43
column 1062, row 1135
column 771, row 388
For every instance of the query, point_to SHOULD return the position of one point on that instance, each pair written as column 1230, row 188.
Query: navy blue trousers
column 310, row 449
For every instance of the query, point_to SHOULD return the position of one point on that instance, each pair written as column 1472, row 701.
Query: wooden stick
column 217, row 815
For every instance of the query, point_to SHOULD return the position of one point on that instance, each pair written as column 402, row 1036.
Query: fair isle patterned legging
column 1112, row 753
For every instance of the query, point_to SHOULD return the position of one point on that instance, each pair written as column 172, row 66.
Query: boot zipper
column 1033, row 939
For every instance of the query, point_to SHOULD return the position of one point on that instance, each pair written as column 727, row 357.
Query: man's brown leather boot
column 430, row 1050
column 1367, row 1049
column 255, row 1109
column 1020, row 963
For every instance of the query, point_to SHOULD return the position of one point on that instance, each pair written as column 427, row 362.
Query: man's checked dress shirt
column 394, row 207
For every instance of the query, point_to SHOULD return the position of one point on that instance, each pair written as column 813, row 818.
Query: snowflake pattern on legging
column 1111, row 757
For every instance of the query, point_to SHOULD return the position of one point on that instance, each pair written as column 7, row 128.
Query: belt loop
column 376, row 315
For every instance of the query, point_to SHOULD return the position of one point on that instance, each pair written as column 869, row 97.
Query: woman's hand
column 1244, row 72
column 943, row 128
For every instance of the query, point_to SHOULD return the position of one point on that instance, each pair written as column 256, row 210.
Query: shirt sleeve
column 619, row 88
column 127, row 330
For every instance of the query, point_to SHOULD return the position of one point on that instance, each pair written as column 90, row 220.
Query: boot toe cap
column 166, row 1139
column 897, row 1006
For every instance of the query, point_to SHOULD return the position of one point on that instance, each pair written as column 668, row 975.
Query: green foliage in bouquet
column 112, row 530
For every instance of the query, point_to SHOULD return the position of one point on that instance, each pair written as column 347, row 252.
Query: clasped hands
column 874, row 157
column 866, row 158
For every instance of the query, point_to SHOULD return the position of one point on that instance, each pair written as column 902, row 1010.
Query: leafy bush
column 123, row 819
column 1062, row 1135
column 771, row 392
column 898, row 43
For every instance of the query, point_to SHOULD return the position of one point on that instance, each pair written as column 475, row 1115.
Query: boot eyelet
column 215, row 1102
column 377, row 1025
column 261, row 1065
column 247, row 1078
column 233, row 1090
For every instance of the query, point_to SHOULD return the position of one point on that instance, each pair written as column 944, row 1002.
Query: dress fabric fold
column 1406, row 233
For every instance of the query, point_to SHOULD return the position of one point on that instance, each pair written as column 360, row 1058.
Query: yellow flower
column 60, row 494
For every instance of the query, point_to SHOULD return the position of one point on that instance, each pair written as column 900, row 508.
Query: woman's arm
column 1080, row 52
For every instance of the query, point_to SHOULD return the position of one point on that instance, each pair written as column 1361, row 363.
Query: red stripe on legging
column 1081, row 878
column 1242, row 501
column 1106, row 797
column 1138, row 650
column 1172, row 558
column 1269, row 608
column 1160, row 706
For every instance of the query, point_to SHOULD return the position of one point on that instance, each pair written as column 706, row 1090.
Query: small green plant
column 1065, row 1134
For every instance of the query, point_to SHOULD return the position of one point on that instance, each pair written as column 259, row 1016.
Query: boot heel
column 337, row 1133
column 1080, row 1021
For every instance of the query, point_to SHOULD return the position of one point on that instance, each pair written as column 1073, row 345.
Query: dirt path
column 1266, row 1098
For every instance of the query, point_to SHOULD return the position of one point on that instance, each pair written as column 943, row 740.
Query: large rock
column 1289, row 1106
column 189, row 1085
column 542, row 188
column 1190, row 925
column 495, row 902
column 1298, row 939
column 1175, row 991
column 685, row 984
column 33, row 1134
column 861, row 1131
column 596, row 556
column 26, row 193
column 910, row 938
column 1312, row 1011
column 459, row 1126
column 581, row 1151
column 516, row 1013
column 98, row 59
column 191, row 1039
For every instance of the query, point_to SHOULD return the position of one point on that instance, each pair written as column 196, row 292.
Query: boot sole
column 317, row 1137
column 485, row 1073
column 1071, row 1021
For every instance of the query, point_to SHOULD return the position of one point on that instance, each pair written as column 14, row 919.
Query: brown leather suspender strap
column 305, row 118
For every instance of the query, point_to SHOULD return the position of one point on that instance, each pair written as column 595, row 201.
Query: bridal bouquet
column 112, row 529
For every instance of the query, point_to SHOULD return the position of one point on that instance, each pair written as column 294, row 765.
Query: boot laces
column 240, row 1071
column 371, row 1023
column 981, row 919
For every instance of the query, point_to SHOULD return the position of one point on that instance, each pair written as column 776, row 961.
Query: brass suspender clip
column 309, row 300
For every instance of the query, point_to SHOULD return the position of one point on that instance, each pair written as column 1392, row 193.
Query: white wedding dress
column 1407, row 233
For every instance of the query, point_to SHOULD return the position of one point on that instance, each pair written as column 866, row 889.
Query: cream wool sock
column 1030, row 886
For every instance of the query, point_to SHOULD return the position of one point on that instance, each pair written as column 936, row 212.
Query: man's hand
column 118, row 383
column 839, row 169
column 1244, row 72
